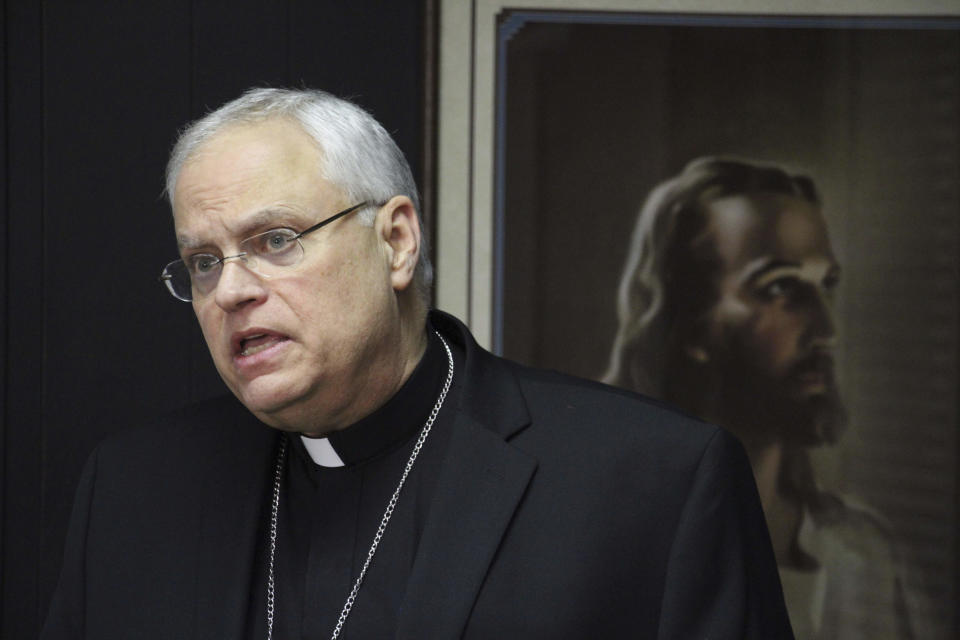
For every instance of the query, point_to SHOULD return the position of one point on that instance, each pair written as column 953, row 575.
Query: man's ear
column 399, row 227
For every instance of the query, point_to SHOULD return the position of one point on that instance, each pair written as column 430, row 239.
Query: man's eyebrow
column 262, row 219
column 185, row 242
column 254, row 222
column 767, row 265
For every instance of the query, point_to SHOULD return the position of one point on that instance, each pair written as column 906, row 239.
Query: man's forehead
column 745, row 226
column 247, row 175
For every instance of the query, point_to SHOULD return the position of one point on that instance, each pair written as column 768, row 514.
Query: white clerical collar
column 322, row 452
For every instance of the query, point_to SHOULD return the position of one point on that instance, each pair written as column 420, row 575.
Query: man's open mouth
column 256, row 343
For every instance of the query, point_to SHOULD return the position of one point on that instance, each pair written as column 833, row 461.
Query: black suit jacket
column 563, row 509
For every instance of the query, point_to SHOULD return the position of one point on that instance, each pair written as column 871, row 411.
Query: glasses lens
column 177, row 279
column 277, row 247
column 274, row 248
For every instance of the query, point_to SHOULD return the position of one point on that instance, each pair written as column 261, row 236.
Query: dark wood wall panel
column 3, row 264
column 256, row 53
column 22, row 453
column 94, row 94
column 113, row 84
column 355, row 60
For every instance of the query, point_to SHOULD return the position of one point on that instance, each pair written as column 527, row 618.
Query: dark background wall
column 93, row 94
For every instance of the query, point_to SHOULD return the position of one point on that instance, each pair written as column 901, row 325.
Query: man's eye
column 778, row 288
column 274, row 241
column 831, row 281
column 203, row 264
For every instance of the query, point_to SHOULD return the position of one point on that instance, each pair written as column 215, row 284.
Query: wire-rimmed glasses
column 266, row 254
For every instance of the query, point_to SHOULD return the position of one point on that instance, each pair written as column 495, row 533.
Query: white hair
column 359, row 156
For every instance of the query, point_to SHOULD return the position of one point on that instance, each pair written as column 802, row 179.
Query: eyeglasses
column 266, row 253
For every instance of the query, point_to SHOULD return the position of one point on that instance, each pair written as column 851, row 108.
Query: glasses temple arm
column 329, row 220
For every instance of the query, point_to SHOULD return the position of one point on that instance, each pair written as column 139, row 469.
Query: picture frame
column 540, row 287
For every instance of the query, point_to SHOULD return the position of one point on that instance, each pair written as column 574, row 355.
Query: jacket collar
column 491, row 395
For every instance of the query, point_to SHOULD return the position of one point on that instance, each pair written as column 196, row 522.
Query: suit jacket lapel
column 233, row 497
column 480, row 485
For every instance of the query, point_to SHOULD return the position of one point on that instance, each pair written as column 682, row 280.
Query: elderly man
column 381, row 475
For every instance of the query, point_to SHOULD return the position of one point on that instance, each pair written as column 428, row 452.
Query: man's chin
column 793, row 418
column 266, row 399
column 816, row 420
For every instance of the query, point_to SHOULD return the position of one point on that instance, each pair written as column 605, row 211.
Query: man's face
column 304, row 348
column 770, row 335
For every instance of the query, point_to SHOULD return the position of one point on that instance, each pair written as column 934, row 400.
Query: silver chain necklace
column 275, row 504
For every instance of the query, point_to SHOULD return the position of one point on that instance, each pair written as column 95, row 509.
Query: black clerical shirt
column 328, row 516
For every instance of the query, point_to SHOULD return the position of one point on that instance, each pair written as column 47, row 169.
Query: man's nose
column 819, row 308
column 238, row 284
